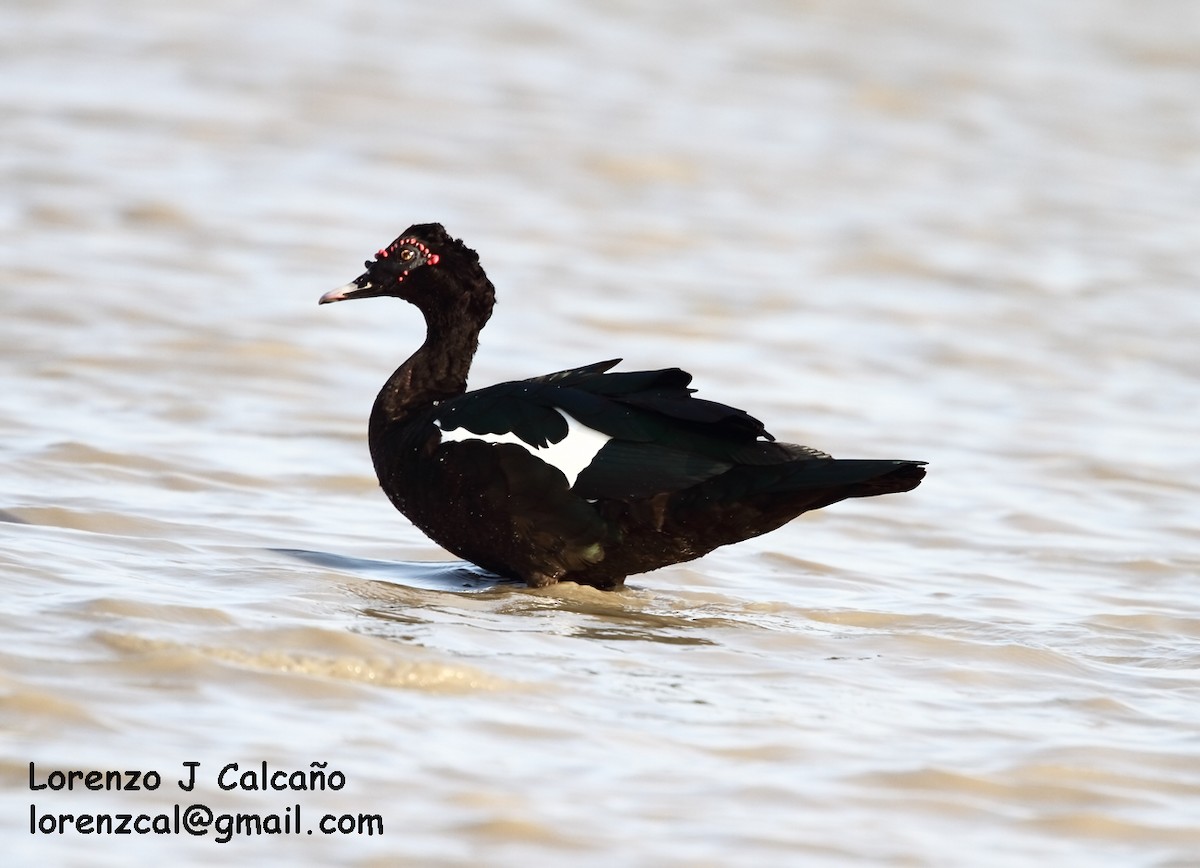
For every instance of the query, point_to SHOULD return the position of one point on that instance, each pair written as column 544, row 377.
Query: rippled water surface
column 966, row 234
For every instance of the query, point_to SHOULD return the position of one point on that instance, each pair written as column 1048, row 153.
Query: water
column 891, row 229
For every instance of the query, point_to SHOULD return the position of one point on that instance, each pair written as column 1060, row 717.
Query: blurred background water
column 890, row 228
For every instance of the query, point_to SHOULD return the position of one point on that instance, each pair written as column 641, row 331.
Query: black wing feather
column 624, row 470
column 663, row 439
column 571, row 376
column 517, row 408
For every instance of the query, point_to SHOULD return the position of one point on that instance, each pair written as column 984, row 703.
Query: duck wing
column 625, row 436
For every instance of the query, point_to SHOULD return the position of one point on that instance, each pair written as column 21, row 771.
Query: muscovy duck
column 582, row 475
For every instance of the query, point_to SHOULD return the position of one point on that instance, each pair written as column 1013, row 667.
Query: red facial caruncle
column 411, row 252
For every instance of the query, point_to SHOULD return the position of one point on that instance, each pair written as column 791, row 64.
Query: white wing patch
column 570, row 455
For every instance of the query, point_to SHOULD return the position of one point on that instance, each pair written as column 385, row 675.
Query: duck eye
column 407, row 254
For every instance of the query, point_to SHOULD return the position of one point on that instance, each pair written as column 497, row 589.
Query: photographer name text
column 231, row 777
column 197, row 819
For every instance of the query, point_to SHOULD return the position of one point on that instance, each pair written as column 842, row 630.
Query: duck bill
column 360, row 288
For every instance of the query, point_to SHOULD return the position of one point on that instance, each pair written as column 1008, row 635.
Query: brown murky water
column 965, row 234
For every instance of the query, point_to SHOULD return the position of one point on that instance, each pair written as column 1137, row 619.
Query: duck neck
column 435, row 372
